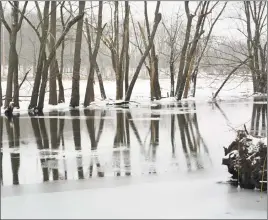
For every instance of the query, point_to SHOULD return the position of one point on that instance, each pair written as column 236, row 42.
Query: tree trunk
column 172, row 74
column 53, row 67
column 11, row 68
column 61, row 98
column 188, row 79
column 102, row 90
column 75, row 96
column 16, row 81
column 1, row 102
column 89, row 97
column 127, row 11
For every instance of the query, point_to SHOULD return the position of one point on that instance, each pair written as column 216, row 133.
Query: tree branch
column 2, row 16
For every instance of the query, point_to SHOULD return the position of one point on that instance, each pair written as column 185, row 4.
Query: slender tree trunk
column 101, row 85
column 11, row 68
column 53, row 68
column 75, row 96
column 16, row 81
column 89, row 97
column 127, row 11
column 61, row 98
column 1, row 102
column 172, row 81
column 188, row 79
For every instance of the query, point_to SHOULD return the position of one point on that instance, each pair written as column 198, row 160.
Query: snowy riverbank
column 236, row 90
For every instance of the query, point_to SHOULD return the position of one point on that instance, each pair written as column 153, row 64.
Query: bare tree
column 189, row 47
column 172, row 42
column 13, row 56
column 89, row 96
column 256, row 21
column 118, row 57
column 201, row 54
column 51, row 56
column 75, row 96
column 157, row 20
column 44, row 21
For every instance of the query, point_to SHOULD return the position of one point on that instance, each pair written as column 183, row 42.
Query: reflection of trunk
column 181, row 124
column 14, row 142
column 60, row 139
column 119, row 141
column 77, row 141
column 39, row 143
column 94, row 141
column 172, row 133
column 53, row 140
column 126, row 152
column 258, row 119
column 154, row 140
column 45, row 145
column 1, row 144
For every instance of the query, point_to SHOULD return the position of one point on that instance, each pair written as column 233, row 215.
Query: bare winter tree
column 157, row 20
column 256, row 23
column 173, row 44
column 13, row 56
column 119, row 57
column 51, row 56
column 204, row 47
column 189, row 48
column 75, row 96
column 44, row 21
column 90, row 96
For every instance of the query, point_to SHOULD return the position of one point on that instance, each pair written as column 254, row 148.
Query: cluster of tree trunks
column 246, row 159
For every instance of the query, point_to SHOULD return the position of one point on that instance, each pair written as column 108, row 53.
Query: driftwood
column 246, row 159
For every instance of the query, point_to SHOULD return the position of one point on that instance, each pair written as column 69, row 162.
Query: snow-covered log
column 246, row 159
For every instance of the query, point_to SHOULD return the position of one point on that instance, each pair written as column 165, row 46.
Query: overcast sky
column 224, row 27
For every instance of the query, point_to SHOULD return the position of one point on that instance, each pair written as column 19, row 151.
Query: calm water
column 171, row 140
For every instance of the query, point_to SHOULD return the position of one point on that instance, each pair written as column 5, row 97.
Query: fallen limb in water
column 246, row 159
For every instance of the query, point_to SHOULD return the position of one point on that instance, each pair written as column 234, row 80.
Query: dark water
column 185, row 139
